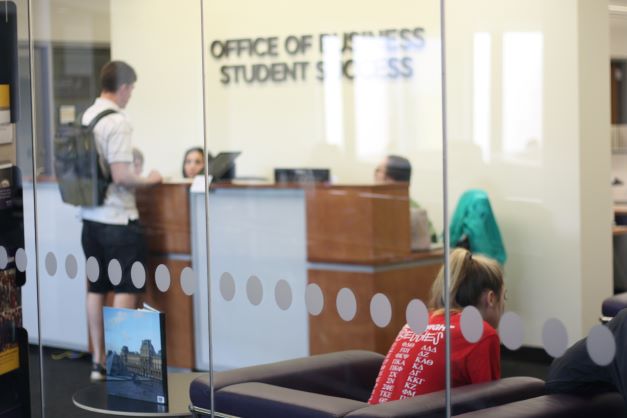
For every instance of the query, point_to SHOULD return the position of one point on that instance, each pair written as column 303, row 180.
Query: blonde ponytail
column 471, row 275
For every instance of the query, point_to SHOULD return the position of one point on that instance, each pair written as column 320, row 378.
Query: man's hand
column 154, row 177
column 123, row 174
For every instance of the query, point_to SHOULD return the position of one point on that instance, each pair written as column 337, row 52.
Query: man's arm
column 123, row 174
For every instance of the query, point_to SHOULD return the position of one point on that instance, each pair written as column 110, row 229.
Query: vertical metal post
column 31, row 63
column 447, row 244
column 206, row 191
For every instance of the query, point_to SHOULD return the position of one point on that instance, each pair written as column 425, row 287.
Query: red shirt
column 415, row 364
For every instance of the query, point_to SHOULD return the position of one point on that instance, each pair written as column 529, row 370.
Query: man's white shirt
column 113, row 139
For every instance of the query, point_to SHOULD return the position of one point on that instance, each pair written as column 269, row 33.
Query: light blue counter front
column 253, row 232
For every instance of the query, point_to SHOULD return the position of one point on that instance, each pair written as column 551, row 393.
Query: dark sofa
column 338, row 385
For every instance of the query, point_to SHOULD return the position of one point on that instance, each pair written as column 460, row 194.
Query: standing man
column 111, row 232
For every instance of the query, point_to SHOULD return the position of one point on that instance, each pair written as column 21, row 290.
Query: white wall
column 551, row 196
column 72, row 21
column 543, row 163
column 162, row 41
column 594, row 160
column 618, row 35
column 292, row 124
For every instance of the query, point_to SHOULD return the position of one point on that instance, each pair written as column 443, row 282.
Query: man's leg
column 126, row 300
column 95, row 302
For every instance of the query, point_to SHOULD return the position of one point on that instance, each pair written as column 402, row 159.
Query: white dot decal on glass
column 314, row 299
column 554, row 337
column 471, row 324
column 227, row 287
column 93, row 270
column 283, row 295
column 162, row 278
column 21, row 260
column 346, row 304
column 115, row 272
column 601, row 345
column 417, row 316
column 254, row 290
column 71, row 266
column 188, row 281
column 138, row 275
column 380, row 310
column 511, row 330
column 4, row 258
column 51, row 264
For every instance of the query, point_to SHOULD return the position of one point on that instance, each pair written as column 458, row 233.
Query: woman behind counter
column 193, row 162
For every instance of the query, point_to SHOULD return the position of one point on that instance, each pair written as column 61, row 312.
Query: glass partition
column 258, row 225
column 19, row 362
column 327, row 234
column 529, row 170
column 118, row 102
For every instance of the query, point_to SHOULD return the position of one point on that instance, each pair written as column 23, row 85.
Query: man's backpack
column 82, row 174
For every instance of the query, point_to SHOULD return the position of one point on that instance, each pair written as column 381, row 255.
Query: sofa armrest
column 463, row 399
column 346, row 374
column 606, row 405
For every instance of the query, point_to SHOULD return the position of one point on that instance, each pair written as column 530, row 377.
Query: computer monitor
column 302, row 175
column 222, row 166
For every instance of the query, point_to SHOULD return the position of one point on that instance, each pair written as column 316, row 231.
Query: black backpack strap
column 99, row 116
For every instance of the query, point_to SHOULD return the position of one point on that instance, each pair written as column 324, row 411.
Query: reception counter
column 354, row 237
column 334, row 236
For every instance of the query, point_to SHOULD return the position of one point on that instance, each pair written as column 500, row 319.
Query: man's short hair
column 114, row 74
column 398, row 168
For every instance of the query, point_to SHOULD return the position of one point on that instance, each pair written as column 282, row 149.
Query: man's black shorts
column 106, row 242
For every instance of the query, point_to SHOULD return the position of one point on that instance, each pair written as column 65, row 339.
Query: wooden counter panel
column 165, row 213
column 401, row 286
column 308, row 186
column 178, row 309
column 328, row 332
column 428, row 256
column 357, row 224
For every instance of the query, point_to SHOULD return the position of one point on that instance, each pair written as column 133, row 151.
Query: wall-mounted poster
column 11, row 219
column 10, row 321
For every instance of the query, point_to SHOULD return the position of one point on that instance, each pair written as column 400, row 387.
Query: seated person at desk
column 415, row 364
column 193, row 162
column 396, row 169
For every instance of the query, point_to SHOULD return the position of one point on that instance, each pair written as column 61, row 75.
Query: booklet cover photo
column 136, row 357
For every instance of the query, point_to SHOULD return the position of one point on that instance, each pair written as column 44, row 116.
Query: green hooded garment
column 473, row 219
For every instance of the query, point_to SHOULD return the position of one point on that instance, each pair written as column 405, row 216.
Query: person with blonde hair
column 416, row 363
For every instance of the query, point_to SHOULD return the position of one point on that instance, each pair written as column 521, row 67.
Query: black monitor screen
column 302, row 175
column 222, row 166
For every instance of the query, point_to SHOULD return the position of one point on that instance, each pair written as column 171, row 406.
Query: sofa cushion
column 264, row 400
column 607, row 405
column 346, row 374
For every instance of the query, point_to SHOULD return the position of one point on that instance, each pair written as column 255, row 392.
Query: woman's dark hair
column 471, row 275
column 114, row 74
column 189, row 151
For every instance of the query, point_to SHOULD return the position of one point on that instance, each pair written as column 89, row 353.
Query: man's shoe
column 98, row 373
